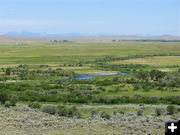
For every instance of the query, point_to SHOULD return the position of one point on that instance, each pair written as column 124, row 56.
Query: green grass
column 56, row 55
column 70, row 52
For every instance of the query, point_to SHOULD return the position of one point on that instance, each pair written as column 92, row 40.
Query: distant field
column 46, row 77
column 72, row 52
column 155, row 61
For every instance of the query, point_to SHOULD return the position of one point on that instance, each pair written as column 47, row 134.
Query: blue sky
column 123, row 17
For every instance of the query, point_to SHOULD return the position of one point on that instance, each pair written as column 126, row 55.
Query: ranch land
column 115, row 88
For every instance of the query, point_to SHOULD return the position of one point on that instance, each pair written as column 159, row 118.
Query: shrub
column 139, row 112
column 170, row 109
column 3, row 97
column 93, row 113
column 8, row 71
column 136, row 87
column 145, row 90
column 13, row 100
column 178, row 109
column 105, row 115
column 73, row 111
column 49, row 109
column 114, row 113
column 62, row 110
column 121, row 112
column 7, row 104
column 158, row 111
column 68, row 111
column 35, row 105
column 137, row 96
column 104, row 100
column 53, row 92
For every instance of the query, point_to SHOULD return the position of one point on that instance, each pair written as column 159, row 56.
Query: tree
column 3, row 97
column 152, row 74
column 8, row 71
column 143, row 75
column 156, row 74
column 179, row 70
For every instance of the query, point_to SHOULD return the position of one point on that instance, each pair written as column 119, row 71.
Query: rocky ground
column 21, row 120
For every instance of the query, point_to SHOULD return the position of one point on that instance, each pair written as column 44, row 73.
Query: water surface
column 87, row 77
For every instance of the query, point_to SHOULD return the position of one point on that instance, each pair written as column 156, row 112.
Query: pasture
column 73, row 52
column 44, row 77
column 155, row 61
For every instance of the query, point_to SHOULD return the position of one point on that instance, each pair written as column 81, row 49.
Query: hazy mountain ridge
column 18, row 39
column 79, row 35
column 47, row 35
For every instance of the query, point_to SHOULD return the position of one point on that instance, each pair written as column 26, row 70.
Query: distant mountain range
column 30, row 37
column 46, row 35
column 65, row 35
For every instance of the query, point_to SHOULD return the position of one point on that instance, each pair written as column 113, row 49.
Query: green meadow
column 46, row 73
column 99, row 86
column 72, row 52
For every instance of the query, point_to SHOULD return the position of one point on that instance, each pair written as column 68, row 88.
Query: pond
column 87, row 77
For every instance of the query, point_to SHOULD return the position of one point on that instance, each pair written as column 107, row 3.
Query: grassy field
column 155, row 61
column 44, row 77
column 66, row 55
column 70, row 52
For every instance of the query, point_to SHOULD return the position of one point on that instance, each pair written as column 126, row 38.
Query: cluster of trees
column 59, row 41
column 62, row 110
column 157, row 79
column 152, row 75
column 146, row 40
column 79, row 64
column 91, row 96
column 111, row 58
column 137, row 100
column 87, row 91
column 23, row 72
column 6, row 99
column 122, row 67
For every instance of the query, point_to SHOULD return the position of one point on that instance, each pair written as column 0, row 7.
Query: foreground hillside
column 25, row 121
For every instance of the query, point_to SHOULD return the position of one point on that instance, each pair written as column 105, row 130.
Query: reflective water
column 87, row 77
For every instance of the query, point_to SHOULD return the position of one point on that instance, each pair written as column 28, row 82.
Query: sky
column 122, row 17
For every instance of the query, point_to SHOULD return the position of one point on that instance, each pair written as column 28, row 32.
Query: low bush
column 121, row 112
column 3, row 97
column 170, row 109
column 139, row 112
column 62, row 110
column 93, row 113
column 68, row 111
column 135, row 87
column 105, row 115
column 73, row 111
column 53, row 92
column 158, row 111
column 35, row 105
column 13, row 100
column 7, row 104
column 178, row 109
column 49, row 109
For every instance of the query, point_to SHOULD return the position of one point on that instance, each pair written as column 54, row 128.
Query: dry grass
column 155, row 61
column 22, row 120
